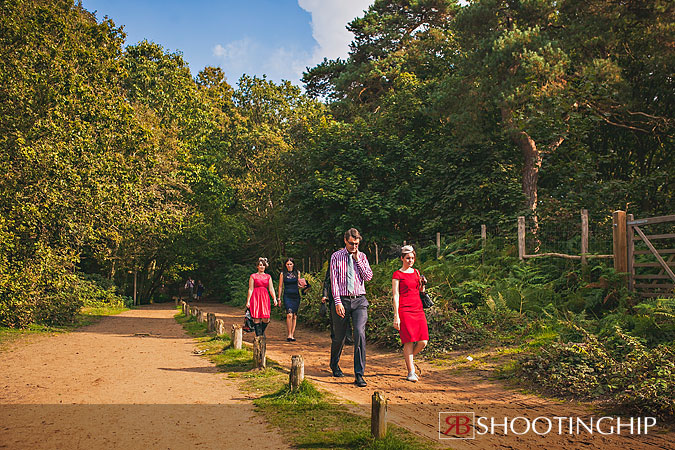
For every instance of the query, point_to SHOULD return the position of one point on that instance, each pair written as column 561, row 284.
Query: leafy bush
column 624, row 371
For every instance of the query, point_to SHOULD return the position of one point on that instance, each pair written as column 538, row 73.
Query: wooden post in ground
column 211, row 322
column 237, row 336
column 483, row 242
column 259, row 351
column 521, row 237
column 193, row 311
column 619, row 238
column 377, row 254
column 438, row 244
column 220, row 327
column 201, row 317
column 297, row 372
column 584, row 236
column 378, row 416
column 630, row 233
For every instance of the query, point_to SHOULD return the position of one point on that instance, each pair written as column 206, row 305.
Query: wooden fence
column 647, row 283
column 583, row 255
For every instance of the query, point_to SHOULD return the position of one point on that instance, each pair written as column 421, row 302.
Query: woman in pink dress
column 409, row 316
column 258, row 299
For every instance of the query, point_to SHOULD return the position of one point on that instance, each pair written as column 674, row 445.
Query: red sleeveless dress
column 413, row 321
column 260, row 298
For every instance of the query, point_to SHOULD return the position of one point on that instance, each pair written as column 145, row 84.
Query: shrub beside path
column 129, row 381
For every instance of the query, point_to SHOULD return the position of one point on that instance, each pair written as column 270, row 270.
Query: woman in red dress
column 258, row 300
column 409, row 316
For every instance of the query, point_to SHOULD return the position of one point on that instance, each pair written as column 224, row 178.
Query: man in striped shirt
column 349, row 269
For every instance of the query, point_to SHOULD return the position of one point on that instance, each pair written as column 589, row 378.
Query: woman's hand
column 248, row 304
column 276, row 303
column 397, row 323
column 323, row 299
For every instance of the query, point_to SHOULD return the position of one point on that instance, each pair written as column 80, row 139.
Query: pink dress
column 260, row 298
column 413, row 321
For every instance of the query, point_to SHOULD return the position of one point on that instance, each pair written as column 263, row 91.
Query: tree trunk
column 531, row 165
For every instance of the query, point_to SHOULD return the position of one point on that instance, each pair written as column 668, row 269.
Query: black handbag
column 426, row 300
column 424, row 297
column 248, row 321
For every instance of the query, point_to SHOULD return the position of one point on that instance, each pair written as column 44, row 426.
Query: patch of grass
column 91, row 315
column 307, row 417
column 313, row 419
column 86, row 316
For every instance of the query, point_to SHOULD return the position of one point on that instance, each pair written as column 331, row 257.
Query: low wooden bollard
column 193, row 311
column 297, row 372
column 211, row 322
column 201, row 317
column 259, row 350
column 220, row 327
column 378, row 416
column 237, row 336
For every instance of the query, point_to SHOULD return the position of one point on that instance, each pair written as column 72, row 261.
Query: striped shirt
column 338, row 274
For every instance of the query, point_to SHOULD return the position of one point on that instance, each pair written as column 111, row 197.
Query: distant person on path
column 328, row 297
column 289, row 285
column 349, row 269
column 200, row 289
column 409, row 318
column 189, row 287
column 260, row 288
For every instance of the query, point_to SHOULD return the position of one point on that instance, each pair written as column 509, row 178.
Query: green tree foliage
column 72, row 156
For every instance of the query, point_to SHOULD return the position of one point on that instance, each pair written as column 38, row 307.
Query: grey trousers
column 357, row 309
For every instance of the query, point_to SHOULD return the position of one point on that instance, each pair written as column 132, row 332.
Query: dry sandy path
column 130, row 381
column 416, row 406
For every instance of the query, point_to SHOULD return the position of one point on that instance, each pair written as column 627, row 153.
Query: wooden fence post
column 237, row 336
column 521, row 237
column 220, row 327
column 619, row 238
column 259, row 351
column 631, row 252
column 378, row 416
column 211, row 321
column 584, row 236
column 377, row 254
column 297, row 372
column 438, row 244
column 483, row 239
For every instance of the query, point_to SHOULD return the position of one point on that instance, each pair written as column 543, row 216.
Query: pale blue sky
column 279, row 38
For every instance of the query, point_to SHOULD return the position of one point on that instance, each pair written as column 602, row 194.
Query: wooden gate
column 651, row 275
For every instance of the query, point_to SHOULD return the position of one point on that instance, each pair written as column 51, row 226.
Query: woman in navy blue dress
column 288, row 284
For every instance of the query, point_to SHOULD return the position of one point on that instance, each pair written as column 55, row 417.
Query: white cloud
column 236, row 55
column 253, row 58
column 329, row 22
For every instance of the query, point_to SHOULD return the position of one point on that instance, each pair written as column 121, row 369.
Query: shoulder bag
column 424, row 297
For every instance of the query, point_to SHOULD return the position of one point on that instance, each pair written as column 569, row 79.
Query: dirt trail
column 416, row 406
column 130, row 381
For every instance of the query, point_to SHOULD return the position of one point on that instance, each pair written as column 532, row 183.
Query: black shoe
column 337, row 373
column 359, row 381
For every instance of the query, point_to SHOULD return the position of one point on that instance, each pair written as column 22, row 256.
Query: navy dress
column 291, row 293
